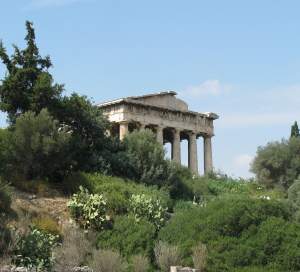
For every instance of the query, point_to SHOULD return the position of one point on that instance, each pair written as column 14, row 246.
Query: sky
column 239, row 59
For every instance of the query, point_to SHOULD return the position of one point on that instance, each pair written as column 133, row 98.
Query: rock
column 82, row 269
column 6, row 268
column 20, row 269
column 31, row 197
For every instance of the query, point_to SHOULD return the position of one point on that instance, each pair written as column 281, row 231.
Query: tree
column 28, row 85
column 146, row 156
column 39, row 147
column 278, row 163
column 89, row 146
column 295, row 130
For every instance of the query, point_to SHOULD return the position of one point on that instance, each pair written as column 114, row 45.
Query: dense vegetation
column 132, row 209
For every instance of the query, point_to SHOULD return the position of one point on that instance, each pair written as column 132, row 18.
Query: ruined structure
column 169, row 118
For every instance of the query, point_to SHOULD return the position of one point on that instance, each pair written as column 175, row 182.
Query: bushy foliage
column 37, row 142
column 107, row 261
column 28, row 89
column 5, row 199
column 35, row 250
column 146, row 156
column 118, row 191
column 47, row 224
column 5, row 202
column 146, row 207
column 231, row 227
column 75, row 249
column 28, row 85
column 139, row 263
column 200, row 255
column 278, row 163
column 294, row 198
column 89, row 210
column 295, row 130
column 129, row 237
column 5, row 137
column 89, row 147
column 166, row 255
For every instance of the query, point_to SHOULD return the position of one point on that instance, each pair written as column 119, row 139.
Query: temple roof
column 166, row 100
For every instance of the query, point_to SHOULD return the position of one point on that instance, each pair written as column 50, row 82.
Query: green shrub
column 146, row 156
column 139, row 263
column 72, row 182
column 294, row 198
column 118, row 191
column 89, row 210
column 129, row 237
column 35, row 250
column 38, row 142
column 277, row 163
column 107, row 261
column 47, row 224
column 5, row 145
column 231, row 228
column 5, row 211
column 149, row 208
column 5, row 199
column 166, row 255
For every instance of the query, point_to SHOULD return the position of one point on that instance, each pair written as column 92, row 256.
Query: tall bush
column 129, row 237
column 147, row 157
column 278, row 163
column 39, row 147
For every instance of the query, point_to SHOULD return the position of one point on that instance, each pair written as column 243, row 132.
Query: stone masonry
column 169, row 118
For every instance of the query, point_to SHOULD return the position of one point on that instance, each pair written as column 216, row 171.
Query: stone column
column 208, row 163
column 193, row 160
column 123, row 130
column 160, row 135
column 176, row 146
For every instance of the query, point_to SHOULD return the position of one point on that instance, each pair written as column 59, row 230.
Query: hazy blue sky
column 240, row 59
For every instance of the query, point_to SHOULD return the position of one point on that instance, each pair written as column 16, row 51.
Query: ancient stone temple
column 169, row 118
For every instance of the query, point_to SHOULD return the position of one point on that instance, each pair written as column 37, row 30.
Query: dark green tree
column 295, row 130
column 89, row 146
column 39, row 147
column 278, row 163
column 27, row 85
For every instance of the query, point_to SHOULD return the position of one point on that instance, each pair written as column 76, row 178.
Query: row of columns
column 176, row 152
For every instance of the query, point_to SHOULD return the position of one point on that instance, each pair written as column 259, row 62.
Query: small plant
column 166, row 256
column 200, row 257
column 47, row 224
column 89, row 210
column 35, row 250
column 143, row 206
column 107, row 261
column 73, row 251
column 139, row 263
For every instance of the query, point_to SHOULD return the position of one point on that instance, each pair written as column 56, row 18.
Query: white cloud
column 257, row 119
column 243, row 160
column 208, row 87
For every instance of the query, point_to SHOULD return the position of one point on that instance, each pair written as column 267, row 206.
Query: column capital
column 191, row 133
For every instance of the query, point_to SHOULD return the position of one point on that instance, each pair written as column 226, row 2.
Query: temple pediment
column 166, row 100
